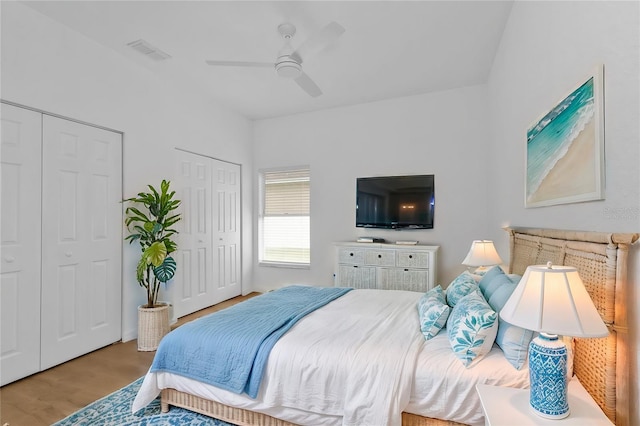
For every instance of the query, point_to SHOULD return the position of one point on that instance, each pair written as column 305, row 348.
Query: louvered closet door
column 20, row 235
column 192, row 287
column 227, row 238
column 82, row 239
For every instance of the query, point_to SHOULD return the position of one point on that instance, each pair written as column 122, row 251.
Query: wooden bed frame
column 600, row 364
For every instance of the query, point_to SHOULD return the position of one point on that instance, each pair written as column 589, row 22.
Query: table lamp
column 482, row 254
column 553, row 301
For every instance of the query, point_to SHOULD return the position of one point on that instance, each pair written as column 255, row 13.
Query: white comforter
column 360, row 360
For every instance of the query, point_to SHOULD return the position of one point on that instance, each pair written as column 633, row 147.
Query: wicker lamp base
column 153, row 325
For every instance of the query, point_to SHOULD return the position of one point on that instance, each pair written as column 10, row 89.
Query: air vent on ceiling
column 148, row 50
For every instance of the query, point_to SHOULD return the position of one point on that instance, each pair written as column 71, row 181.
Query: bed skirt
column 242, row 417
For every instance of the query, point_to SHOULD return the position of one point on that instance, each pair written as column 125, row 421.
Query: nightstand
column 504, row 406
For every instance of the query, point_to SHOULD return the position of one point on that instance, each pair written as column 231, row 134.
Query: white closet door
column 191, row 289
column 82, row 239
column 227, row 238
column 20, row 236
column 209, row 248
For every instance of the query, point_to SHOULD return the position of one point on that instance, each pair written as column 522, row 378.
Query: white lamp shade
column 553, row 299
column 482, row 253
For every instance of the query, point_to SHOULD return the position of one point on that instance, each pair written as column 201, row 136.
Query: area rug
column 115, row 410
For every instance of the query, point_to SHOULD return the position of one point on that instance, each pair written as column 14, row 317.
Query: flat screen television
column 395, row 202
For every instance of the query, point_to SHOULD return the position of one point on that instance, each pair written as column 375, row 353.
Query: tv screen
column 395, row 202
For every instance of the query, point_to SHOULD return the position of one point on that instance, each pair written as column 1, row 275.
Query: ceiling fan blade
column 318, row 41
column 242, row 64
column 305, row 82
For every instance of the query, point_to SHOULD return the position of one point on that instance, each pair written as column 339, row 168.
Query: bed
column 446, row 397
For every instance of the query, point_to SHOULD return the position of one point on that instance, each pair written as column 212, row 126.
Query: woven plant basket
column 153, row 324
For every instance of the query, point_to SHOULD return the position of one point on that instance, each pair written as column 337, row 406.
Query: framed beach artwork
column 565, row 148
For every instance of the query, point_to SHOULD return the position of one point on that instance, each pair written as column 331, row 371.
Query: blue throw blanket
column 229, row 348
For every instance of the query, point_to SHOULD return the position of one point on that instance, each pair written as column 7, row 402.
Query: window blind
column 285, row 217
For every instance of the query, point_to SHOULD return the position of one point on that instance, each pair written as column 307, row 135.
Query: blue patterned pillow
column 513, row 340
column 433, row 311
column 462, row 285
column 472, row 327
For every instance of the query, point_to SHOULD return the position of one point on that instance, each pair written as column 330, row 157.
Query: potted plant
column 150, row 222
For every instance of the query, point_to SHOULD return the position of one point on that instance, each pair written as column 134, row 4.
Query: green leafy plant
column 151, row 226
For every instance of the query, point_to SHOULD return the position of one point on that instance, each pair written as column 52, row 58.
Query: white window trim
column 261, row 214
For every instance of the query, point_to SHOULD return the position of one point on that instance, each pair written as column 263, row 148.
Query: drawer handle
column 355, row 266
column 351, row 254
column 379, row 256
column 406, row 270
column 9, row 259
column 410, row 256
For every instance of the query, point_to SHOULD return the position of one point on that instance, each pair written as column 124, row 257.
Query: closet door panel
column 82, row 239
column 20, row 241
column 227, row 238
column 192, row 287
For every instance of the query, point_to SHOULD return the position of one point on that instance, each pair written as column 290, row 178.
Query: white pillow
column 472, row 327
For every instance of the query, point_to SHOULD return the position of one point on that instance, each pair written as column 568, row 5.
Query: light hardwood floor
column 49, row 396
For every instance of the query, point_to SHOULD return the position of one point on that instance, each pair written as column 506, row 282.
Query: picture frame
column 565, row 148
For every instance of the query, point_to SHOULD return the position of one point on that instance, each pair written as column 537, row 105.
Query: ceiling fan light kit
column 289, row 61
column 287, row 67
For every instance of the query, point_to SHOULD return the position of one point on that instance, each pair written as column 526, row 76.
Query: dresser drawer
column 407, row 259
column 380, row 257
column 351, row 255
column 404, row 279
column 357, row 276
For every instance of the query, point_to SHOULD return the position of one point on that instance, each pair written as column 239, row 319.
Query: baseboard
column 129, row 335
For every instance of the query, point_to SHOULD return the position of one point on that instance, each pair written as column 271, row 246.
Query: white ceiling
column 389, row 48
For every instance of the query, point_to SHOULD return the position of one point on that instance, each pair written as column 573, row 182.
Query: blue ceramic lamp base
column 548, row 376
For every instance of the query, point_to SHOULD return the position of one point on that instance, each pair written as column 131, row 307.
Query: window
column 284, row 217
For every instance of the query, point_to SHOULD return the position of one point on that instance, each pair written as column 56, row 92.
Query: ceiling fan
column 288, row 64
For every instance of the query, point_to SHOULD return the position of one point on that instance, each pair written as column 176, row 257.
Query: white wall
column 444, row 134
column 546, row 49
column 472, row 139
column 48, row 66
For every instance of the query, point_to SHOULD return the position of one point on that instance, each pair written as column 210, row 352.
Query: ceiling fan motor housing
column 287, row 67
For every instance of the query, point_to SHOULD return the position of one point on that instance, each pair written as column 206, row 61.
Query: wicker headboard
column 601, row 259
